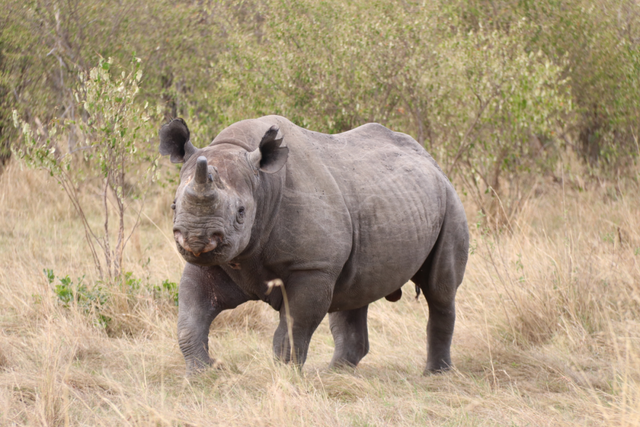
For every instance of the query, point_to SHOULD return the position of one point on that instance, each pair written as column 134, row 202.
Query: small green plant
column 131, row 283
column 168, row 289
column 608, row 237
column 95, row 300
column 89, row 300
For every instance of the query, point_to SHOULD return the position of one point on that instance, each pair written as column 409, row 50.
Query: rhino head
column 219, row 192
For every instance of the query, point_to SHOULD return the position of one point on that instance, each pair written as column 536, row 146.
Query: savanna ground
column 547, row 330
column 531, row 107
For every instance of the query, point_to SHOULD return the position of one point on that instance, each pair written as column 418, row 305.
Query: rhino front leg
column 351, row 337
column 204, row 292
column 309, row 296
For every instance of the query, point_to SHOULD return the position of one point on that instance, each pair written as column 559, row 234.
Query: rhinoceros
column 342, row 220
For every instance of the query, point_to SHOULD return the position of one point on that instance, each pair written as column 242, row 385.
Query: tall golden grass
column 548, row 329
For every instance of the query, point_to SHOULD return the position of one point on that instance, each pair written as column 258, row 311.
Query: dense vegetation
column 497, row 91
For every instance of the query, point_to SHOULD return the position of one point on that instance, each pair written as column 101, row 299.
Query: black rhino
column 343, row 220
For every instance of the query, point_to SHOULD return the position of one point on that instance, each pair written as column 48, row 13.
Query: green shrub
column 89, row 300
column 97, row 301
column 496, row 90
column 111, row 147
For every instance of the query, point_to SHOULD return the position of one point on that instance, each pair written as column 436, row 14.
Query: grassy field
column 547, row 333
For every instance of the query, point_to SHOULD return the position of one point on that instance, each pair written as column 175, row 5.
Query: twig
column 171, row 242
column 278, row 283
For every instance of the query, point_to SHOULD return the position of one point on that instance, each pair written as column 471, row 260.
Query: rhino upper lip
column 197, row 246
column 214, row 252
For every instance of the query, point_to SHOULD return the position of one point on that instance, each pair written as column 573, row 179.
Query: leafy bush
column 497, row 91
column 596, row 44
column 111, row 141
column 484, row 104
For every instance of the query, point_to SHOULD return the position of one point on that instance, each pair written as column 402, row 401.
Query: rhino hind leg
column 442, row 317
column 351, row 337
column 439, row 278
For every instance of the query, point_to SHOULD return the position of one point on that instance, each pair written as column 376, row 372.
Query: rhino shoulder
column 248, row 133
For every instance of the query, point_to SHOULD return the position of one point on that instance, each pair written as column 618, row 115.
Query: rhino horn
column 201, row 171
column 202, row 185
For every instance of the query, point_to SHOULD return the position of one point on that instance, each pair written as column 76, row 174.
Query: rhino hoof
column 437, row 370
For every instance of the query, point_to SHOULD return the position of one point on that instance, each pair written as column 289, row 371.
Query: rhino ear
column 270, row 157
column 174, row 141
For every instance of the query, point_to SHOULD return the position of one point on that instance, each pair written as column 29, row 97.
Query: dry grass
column 547, row 331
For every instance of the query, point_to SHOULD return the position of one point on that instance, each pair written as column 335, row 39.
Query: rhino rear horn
column 174, row 141
column 270, row 157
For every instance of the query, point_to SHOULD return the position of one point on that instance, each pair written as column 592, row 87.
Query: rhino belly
column 395, row 228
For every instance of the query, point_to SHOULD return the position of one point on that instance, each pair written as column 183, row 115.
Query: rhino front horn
column 205, row 180
column 201, row 171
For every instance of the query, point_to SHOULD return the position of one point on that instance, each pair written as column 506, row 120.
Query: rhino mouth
column 207, row 257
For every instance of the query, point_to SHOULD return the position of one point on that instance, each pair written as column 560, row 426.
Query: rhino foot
column 351, row 337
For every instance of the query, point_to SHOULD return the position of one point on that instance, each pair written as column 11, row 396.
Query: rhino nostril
column 213, row 243
column 177, row 234
column 217, row 237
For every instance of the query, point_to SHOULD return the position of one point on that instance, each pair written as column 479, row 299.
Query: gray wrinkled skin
column 343, row 220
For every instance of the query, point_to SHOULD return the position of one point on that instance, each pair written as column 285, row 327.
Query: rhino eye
column 240, row 216
column 173, row 205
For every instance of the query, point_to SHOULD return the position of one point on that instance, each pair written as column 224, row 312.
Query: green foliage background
column 496, row 91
